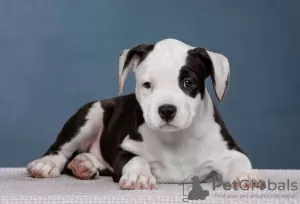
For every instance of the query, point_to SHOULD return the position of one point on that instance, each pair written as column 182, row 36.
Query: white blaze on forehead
column 164, row 62
column 171, row 44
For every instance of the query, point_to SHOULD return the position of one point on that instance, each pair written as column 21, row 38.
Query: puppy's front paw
column 250, row 181
column 83, row 166
column 45, row 167
column 137, row 181
column 136, row 174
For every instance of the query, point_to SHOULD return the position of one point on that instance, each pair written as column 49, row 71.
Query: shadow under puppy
column 166, row 131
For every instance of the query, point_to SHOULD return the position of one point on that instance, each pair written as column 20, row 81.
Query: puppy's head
column 170, row 80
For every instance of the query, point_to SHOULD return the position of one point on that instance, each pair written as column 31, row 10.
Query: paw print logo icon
column 194, row 191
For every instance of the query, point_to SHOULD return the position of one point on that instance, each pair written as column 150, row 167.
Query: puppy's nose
column 167, row 112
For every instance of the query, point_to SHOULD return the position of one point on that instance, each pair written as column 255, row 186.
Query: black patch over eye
column 147, row 85
column 193, row 70
column 188, row 83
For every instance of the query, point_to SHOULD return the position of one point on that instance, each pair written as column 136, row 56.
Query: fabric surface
column 16, row 188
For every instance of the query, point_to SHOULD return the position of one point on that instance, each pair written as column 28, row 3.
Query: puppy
column 167, row 130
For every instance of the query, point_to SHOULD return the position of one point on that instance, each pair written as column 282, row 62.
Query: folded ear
column 125, row 68
column 219, row 71
column 130, row 59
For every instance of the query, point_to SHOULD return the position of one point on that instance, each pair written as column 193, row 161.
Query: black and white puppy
column 167, row 130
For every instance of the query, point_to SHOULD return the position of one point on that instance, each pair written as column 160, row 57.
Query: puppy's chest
column 174, row 161
column 175, row 165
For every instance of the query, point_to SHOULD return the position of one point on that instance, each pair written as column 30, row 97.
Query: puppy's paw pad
column 83, row 167
column 43, row 168
column 137, row 182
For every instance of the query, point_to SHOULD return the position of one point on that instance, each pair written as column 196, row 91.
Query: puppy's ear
column 130, row 59
column 219, row 71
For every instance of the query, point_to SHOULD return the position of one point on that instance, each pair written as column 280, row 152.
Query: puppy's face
column 169, row 86
column 170, row 81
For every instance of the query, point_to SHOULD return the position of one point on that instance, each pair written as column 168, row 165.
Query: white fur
column 48, row 166
column 193, row 144
column 136, row 174
column 95, row 147
column 123, row 73
column 197, row 150
column 221, row 71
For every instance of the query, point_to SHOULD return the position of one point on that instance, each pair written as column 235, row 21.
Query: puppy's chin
column 162, row 127
column 168, row 128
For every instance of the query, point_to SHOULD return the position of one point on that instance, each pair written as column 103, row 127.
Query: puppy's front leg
column 235, row 166
column 132, row 172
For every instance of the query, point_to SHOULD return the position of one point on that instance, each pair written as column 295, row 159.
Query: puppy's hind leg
column 77, row 134
column 85, row 166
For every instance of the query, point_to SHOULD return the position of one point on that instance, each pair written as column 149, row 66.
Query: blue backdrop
column 57, row 55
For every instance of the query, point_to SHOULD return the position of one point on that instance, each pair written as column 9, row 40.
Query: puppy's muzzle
column 167, row 112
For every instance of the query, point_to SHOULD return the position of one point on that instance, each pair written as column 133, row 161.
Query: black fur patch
column 231, row 144
column 141, row 51
column 205, row 58
column 70, row 128
column 123, row 116
column 121, row 159
column 196, row 70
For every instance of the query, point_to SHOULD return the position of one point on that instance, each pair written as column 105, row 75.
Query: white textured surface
column 16, row 187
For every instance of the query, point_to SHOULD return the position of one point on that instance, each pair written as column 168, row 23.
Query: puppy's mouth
column 167, row 127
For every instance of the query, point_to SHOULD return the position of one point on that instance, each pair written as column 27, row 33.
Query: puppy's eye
column 147, row 85
column 188, row 83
